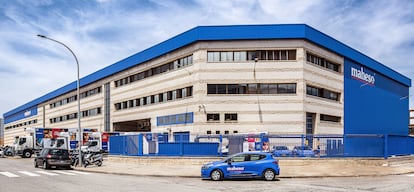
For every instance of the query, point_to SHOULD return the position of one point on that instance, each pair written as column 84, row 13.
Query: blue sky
column 102, row 32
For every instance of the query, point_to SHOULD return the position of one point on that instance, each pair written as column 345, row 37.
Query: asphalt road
column 20, row 175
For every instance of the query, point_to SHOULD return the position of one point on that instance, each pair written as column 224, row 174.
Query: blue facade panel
column 374, row 108
column 22, row 114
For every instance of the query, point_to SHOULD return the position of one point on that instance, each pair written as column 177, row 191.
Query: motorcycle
column 92, row 158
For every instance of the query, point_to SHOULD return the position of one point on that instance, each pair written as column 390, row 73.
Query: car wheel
column 45, row 165
column 269, row 175
column 216, row 175
column 35, row 164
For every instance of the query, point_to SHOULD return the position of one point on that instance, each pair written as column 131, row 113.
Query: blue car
column 243, row 165
column 281, row 151
column 303, row 151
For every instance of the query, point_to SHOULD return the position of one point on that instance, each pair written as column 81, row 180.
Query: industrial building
column 278, row 79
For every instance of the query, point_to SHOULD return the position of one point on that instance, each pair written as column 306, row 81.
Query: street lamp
column 77, row 95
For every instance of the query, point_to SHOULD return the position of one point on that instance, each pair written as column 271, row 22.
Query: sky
column 102, row 32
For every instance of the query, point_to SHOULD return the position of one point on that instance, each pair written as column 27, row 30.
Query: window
column 230, row 117
column 252, row 88
column 213, row 117
column 213, row 56
column 330, row 118
column 322, row 62
column 237, row 56
column 189, row 91
column 221, row 89
column 323, row 93
column 286, row 88
column 212, row 89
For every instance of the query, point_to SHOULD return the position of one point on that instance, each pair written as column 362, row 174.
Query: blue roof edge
column 224, row 32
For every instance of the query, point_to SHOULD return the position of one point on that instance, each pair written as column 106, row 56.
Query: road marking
column 8, row 174
column 64, row 172
column 80, row 172
column 410, row 175
column 47, row 173
column 29, row 173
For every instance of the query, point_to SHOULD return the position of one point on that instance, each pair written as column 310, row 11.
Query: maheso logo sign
column 361, row 75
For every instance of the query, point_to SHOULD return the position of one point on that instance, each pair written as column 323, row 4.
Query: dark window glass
column 252, row 88
column 233, row 89
column 212, row 89
column 330, row 118
column 189, row 91
column 230, row 117
column 221, row 89
column 213, row 117
column 292, row 55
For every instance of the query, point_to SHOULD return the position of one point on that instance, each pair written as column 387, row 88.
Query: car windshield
column 59, row 152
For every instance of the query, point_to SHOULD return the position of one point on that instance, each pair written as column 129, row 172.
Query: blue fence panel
column 169, row 149
column 201, row 149
column 400, row 145
column 117, row 145
column 351, row 145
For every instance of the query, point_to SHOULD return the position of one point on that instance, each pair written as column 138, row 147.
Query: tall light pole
column 77, row 95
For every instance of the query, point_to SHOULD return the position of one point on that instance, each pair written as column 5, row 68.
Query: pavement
column 290, row 167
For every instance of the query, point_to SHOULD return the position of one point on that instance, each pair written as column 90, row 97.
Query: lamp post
column 77, row 95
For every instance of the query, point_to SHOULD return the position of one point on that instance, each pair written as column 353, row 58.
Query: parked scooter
column 92, row 158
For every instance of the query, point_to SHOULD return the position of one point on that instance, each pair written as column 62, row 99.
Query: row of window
column 234, row 56
column 226, row 132
column 323, row 93
column 157, row 98
column 179, row 63
column 322, row 62
column 22, row 124
column 73, row 98
column 252, row 88
column 86, row 113
column 215, row 117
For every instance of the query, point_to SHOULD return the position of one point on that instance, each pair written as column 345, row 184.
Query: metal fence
column 316, row 146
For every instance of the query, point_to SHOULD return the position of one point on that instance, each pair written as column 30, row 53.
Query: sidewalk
column 290, row 168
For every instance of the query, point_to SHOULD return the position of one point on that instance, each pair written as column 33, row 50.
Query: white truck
column 94, row 142
column 36, row 139
column 63, row 138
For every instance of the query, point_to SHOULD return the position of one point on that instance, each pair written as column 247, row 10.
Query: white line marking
column 64, row 172
column 80, row 172
column 29, row 173
column 47, row 173
column 410, row 175
column 8, row 174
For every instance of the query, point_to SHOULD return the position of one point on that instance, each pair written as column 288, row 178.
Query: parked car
column 303, row 151
column 281, row 151
column 49, row 157
column 243, row 165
